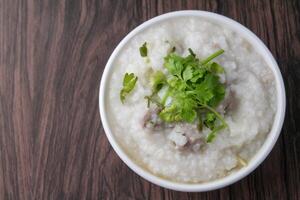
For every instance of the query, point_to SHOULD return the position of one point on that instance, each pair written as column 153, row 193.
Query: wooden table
column 52, row 55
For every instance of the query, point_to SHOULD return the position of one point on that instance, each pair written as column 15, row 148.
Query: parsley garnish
column 129, row 82
column 193, row 86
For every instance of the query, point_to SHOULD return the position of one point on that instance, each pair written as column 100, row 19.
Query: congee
column 190, row 100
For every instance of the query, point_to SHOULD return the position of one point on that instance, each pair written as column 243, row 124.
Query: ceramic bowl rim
column 260, row 155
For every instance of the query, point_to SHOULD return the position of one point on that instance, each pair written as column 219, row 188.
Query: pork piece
column 152, row 121
column 178, row 138
column 229, row 103
column 186, row 137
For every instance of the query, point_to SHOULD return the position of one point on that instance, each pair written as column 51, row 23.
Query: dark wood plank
column 52, row 55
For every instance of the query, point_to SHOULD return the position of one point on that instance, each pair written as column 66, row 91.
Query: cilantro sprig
column 194, row 89
column 192, row 86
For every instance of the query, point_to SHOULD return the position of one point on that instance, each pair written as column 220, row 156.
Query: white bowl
column 260, row 155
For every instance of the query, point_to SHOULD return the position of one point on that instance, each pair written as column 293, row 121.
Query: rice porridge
column 178, row 151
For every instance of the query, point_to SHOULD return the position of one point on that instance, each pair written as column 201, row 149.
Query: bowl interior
column 270, row 140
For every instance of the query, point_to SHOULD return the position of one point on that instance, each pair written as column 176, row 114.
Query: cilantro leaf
column 210, row 120
column 174, row 113
column 182, row 108
column 174, row 64
column 198, row 74
column 188, row 114
column 157, row 80
column 176, row 83
column 210, row 91
column 129, row 82
column 187, row 73
column 144, row 50
column 170, row 114
column 216, row 68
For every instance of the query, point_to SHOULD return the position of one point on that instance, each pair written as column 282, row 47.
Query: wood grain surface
column 52, row 55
